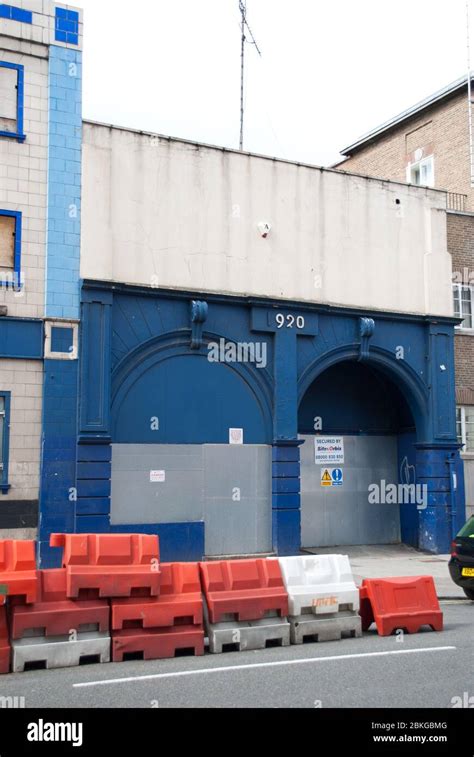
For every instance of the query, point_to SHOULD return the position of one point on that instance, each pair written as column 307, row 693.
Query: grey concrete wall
column 226, row 486
column 343, row 515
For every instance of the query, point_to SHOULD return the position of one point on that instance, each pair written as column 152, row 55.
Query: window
column 4, row 440
column 465, row 427
column 11, row 100
column 10, row 248
column 463, row 299
column 422, row 172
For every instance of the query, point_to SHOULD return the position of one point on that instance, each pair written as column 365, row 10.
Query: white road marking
column 278, row 663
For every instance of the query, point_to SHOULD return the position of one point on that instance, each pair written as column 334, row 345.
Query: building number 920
column 290, row 321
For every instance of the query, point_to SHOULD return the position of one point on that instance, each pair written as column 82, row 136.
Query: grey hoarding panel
column 227, row 486
column 333, row 516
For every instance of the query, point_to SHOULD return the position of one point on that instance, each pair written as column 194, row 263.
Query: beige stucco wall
column 171, row 214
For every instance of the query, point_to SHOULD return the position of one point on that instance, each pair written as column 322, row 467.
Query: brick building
column 428, row 144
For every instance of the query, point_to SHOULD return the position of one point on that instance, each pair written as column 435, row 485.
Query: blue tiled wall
column 13, row 13
column 67, row 26
column 64, row 183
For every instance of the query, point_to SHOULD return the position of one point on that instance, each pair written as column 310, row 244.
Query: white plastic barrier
column 319, row 584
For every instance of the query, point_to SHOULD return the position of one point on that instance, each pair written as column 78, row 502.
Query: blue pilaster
column 286, row 497
column 440, row 472
column 60, row 408
column 286, row 325
column 58, row 474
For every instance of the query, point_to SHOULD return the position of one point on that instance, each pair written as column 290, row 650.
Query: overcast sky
column 330, row 69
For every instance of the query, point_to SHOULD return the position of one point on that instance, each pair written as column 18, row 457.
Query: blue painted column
column 440, row 470
column 286, row 325
column 62, row 289
column 439, row 466
column 94, row 451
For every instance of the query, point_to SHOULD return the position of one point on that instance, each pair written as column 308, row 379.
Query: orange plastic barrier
column 243, row 589
column 54, row 613
column 18, row 574
column 5, row 651
column 400, row 603
column 179, row 603
column 111, row 565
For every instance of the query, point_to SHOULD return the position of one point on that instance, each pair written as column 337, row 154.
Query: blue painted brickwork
column 58, row 474
column 64, row 183
column 13, row 13
column 67, row 26
column 62, row 340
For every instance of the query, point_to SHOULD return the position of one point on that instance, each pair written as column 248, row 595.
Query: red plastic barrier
column 180, row 601
column 18, row 574
column 54, row 613
column 4, row 643
column 400, row 603
column 112, row 565
column 158, row 644
column 243, row 589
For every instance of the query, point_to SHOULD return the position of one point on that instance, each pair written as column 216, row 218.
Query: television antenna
column 246, row 30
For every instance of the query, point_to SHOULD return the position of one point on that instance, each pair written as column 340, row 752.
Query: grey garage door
column 342, row 515
column 226, row 486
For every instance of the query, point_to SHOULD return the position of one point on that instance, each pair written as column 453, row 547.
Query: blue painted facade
column 140, row 359
column 59, row 482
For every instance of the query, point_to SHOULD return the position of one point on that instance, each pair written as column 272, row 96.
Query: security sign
column 332, row 477
column 329, row 450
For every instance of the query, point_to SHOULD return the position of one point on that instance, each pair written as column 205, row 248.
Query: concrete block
column 60, row 651
column 328, row 628
column 247, row 635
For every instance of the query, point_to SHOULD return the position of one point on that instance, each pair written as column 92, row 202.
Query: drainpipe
column 453, row 485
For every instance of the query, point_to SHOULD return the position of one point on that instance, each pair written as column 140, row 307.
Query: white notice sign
column 328, row 449
column 157, row 476
column 236, row 436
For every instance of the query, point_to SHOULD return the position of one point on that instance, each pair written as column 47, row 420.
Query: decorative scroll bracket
column 199, row 313
column 367, row 329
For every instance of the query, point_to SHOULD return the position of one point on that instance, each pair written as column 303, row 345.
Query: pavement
column 397, row 560
column 423, row 670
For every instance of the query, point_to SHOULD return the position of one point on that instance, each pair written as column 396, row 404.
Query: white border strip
column 306, row 661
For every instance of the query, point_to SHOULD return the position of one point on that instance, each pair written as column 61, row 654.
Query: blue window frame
column 17, row 132
column 5, row 401
column 12, row 280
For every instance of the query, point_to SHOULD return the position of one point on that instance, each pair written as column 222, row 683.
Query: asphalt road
column 424, row 670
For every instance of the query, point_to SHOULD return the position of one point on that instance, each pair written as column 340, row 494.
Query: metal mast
column 244, row 28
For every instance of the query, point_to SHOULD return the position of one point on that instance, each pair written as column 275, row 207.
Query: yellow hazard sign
column 326, row 478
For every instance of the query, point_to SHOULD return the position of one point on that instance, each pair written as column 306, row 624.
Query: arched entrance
column 353, row 500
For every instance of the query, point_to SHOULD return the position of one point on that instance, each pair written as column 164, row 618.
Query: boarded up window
column 7, row 241
column 8, row 99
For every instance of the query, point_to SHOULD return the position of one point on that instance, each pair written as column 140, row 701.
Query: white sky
column 330, row 71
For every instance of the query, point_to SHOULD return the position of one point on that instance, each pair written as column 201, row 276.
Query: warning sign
column 326, row 478
column 332, row 477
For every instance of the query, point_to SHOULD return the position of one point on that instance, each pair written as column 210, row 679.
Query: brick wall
column 441, row 130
